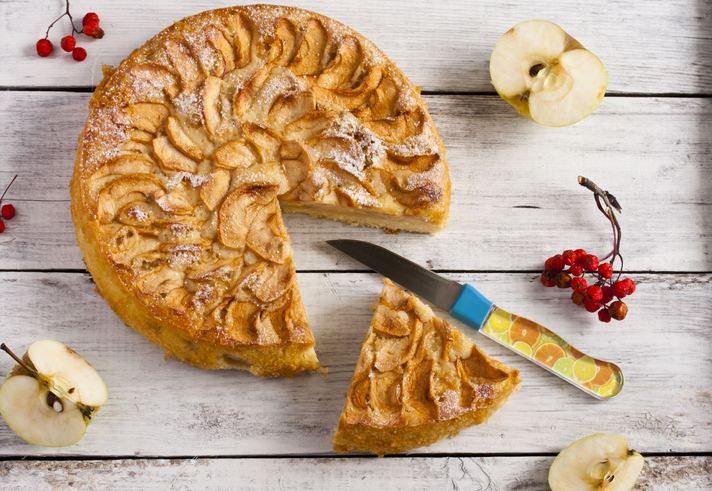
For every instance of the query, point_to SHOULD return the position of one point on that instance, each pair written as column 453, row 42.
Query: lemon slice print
column 585, row 369
column 523, row 347
column 499, row 322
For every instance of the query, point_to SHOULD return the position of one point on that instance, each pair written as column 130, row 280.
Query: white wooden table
column 515, row 202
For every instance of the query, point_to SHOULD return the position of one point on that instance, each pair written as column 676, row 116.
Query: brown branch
column 610, row 203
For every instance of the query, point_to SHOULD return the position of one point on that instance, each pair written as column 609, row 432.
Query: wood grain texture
column 659, row 46
column 512, row 179
column 168, row 426
column 466, row 473
column 167, row 408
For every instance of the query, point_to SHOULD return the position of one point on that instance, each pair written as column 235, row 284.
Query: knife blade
column 598, row 378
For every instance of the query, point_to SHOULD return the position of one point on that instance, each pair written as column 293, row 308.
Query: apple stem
column 19, row 360
column 610, row 203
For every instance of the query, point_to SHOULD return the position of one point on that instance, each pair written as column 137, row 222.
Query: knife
column 598, row 378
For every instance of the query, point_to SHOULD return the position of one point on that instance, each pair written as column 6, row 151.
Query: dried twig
column 610, row 202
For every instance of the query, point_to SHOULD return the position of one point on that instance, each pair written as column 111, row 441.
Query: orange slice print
column 548, row 353
column 604, row 375
column 524, row 330
column 575, row 354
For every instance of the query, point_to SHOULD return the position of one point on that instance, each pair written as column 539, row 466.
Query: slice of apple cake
column 199, row 139
column 417, row 381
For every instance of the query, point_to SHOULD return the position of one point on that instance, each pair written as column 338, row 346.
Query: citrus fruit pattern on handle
column 553, row 353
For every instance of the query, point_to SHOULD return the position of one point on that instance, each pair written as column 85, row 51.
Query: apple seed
column 54, row 402
column 534, row 70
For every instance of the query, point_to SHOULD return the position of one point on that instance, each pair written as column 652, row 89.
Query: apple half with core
column 546, row 74
column 51, row 394
column 596, row 462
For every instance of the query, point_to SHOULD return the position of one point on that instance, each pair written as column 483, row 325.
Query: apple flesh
column 596, row 462
column 51, row 395
column 546, row 74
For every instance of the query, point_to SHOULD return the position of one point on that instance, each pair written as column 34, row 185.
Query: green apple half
column 51, row 395
column 546, row 74
column 596, row 462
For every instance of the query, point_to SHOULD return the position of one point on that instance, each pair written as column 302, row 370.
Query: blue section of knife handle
column 471, row 307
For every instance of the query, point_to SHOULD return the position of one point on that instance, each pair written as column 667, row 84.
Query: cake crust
column 195, row 140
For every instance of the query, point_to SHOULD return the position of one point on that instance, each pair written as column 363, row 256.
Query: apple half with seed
column 596, row 462
column 51, row 394
column 546, row 74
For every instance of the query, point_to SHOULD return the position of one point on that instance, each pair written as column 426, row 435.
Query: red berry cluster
column 7, row 211
column 597, row 297
column 90, row 27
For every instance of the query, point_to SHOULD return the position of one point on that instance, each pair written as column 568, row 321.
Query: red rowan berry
column 2, row 226
column 605, row 270
column 555, row 262
column 589, row 262
column 591, row 306
column 90, row 18
column 569, row 257
column 607, row 294
column 604, row 316
column 79, row 54
column 630, row 285
column 91, row 29
column 594, row 293
column 576, row 269
column 579, row 254
column 68, row 43
column 7, row 211
column 620, row 289
column 578, row 284
column 44, row 47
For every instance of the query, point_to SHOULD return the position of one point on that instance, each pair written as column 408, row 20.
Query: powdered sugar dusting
column 425, row 179
column 102, row 138
column 426, row 143
column 372, row 146
column 137, row 214
column 195, row 180
column 449, row 405
column 187, row 103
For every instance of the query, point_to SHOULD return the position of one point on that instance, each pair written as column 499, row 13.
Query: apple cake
column 417, row 381
column 196, row 143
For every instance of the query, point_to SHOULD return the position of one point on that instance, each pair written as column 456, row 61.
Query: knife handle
column 598, row 378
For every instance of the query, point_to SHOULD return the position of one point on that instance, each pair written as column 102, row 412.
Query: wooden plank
column 515, row 197
column 443, row 47
column 484, row 474
column 165, row 408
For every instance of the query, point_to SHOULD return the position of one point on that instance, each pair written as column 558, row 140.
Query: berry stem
column 8, row 187
column 610, row 203
column 71, row 20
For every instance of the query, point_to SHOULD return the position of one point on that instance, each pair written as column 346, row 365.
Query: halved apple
column 51, row 395
column 546, row 74
column 597, row 462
